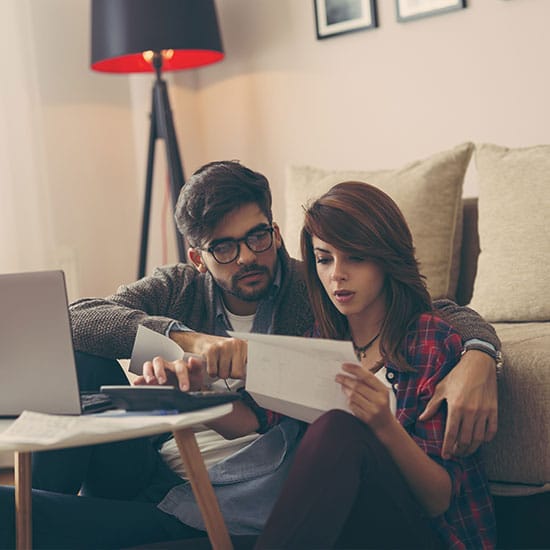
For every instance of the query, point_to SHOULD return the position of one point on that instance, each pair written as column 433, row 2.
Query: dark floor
column 523, row 522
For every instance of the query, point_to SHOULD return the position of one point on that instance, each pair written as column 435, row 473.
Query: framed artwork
column 414, row 9
column 334, row 17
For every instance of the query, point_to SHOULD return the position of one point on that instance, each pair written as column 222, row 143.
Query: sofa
column 518, row 458
column 492, row 253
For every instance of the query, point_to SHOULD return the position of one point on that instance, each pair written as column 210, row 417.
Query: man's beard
column 248, row 295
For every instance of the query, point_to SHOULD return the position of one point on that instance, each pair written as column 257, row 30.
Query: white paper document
column 149, row 344
column 295, row 376
column 35, row 430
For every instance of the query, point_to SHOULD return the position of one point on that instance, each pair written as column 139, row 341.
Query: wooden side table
column 88, row 430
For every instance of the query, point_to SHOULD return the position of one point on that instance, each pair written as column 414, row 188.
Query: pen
column 187, row 355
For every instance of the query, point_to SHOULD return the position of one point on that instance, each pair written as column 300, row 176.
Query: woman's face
column 354, row 284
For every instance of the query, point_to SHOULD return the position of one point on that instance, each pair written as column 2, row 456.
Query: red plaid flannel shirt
column 433, row 348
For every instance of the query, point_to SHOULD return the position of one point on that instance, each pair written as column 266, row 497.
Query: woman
column 375, row 478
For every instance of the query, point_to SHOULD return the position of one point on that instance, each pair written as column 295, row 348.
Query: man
column 239, row 277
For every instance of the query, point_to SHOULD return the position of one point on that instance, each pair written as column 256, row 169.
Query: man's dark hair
column 215, row 190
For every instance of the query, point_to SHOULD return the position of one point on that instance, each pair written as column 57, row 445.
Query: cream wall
column 84, row 122
column 372, row 99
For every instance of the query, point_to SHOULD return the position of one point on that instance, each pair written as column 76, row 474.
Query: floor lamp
column 136, row 36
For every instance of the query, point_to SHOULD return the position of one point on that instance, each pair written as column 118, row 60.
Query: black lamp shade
column 123, row 29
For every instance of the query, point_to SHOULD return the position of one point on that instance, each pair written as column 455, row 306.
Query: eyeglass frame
column 269, row 228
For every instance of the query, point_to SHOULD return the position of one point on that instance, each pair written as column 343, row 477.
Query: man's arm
column 470, row 389
column 107, row 326
column 469, row 323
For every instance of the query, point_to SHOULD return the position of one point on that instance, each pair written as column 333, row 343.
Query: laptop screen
column 37, row 368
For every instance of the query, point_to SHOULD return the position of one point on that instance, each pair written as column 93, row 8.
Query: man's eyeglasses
column 228, row 250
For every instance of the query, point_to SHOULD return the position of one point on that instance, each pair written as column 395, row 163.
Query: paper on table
column 295, row 376
column 38, row 429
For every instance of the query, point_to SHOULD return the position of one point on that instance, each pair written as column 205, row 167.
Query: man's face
column 248, row 278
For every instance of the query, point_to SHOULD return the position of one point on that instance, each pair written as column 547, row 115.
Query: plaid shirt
column 433, row 348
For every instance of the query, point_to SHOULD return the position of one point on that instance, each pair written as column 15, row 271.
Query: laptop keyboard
column 93, row 402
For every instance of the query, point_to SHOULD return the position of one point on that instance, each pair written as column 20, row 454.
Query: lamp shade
column 123, row 29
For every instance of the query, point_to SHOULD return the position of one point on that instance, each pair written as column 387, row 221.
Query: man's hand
column 470, row 390
column 225, row 357
column 187, row 374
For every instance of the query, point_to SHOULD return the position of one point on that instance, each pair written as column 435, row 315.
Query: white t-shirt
column 381, row 375
column 212, row 445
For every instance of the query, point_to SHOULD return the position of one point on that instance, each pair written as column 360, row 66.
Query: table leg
column 23, row 500
column 202, row 489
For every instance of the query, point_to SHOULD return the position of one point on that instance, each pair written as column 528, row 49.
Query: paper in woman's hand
column 295, row 376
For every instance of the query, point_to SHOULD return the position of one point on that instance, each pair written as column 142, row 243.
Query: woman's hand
column 187, row 374
column 368, row 398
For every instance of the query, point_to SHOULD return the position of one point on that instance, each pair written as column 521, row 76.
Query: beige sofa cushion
column 520, row 452
column 514, row 233
column 428, row 192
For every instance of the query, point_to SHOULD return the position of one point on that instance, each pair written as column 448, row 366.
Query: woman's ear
column 195, row 258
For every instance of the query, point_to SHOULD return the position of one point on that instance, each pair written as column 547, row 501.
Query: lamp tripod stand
column 162, row 127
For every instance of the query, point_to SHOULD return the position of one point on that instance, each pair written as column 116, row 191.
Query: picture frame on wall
column 408, row 10
column 335, row 17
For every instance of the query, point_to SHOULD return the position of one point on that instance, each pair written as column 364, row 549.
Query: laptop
column 37, row 365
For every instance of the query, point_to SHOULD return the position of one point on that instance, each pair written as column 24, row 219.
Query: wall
column 90, row 154
column 68, row 159
column 372, row 99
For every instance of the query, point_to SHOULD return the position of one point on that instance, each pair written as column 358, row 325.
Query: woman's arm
column 369, row 401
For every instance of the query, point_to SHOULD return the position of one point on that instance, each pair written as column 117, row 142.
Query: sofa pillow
column 429, row 193
column 514, row 233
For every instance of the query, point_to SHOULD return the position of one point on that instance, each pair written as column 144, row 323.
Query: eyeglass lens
column 257, row 241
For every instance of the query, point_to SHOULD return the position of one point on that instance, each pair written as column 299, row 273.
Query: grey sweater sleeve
column 467, row 322
column 107, row 326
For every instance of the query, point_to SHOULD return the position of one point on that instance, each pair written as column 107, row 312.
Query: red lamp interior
column 136, row 63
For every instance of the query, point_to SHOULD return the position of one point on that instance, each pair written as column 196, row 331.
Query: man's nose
column 246, row 256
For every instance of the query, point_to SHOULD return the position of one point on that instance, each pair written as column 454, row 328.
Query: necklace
column 361, row 351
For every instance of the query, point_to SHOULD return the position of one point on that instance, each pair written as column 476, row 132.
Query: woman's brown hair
column 361, row 220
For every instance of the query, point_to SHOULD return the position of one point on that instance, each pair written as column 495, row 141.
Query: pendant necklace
column 361, row 351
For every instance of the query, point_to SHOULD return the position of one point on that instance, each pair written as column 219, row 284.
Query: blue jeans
column 121, row 484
